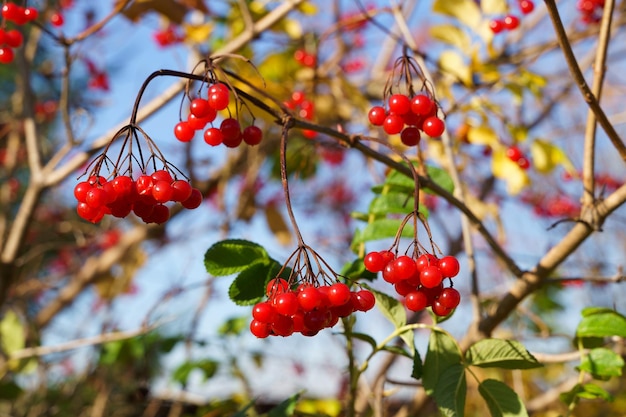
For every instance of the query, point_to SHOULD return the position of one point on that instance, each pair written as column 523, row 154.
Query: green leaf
column 601, row 322
column 586, row 391
column 356, row 270
column 397, row 181
column 391, row 203
column 286, row 408
column 248, row 288
column 602, row 363
column 384, row 229
column 451, row 390
column 233, row 326
column 10, row 390
column 501, row 400
column 12, row 336
column 395, row 313
column 465, row 11
column 499, row 353
column 231, row 256
column 366, row 338
column 418, row 366
column 452, row 35
column 443, row 352
column 207, row 366
column 397, row 350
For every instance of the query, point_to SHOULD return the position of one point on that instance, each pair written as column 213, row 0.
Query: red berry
column 393, row 124
column 440, row 309
column 161, row 175
column 10, row 11
column 511, row 22
column 231, row 132
column 377, row 115
column 213, row 136
column 309, row 298
column 252, row 135
column 96, row 197
column 194, row 200
column 388, row 256
column 399, row 104
column 523, row 163
column 422, row 105
column 404, row 287
column 374, row 262
column 514, row 153
column 162, row 191
column 425, row 260
column 219, row 97
column 276, row 286
column 282, row 326
column 285, row 303
column 263, row 312
column 338, row 294
column 144, row 184
column 449, row 266
column 389, row 273
column 56, row 19
column 450, row 298
column 6, row 55
column 433, row 126
column 181, row 190
column 183, row 131
column 416, row 301
column 431, row 277
column 14, row 38
column 526, row 6
column 260, row 329
column 410, row 136
column 80, row 191
column 200, row 108
column 365, row 300
column 496, row 25
column 30, row 14
column 404, row 267
column 123, row 186
column 160, row 214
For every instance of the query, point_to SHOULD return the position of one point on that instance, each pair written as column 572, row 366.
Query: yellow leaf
column 328, row 407
column 277, row 225
column 454, row 64
column 546, row 157
column 452, row 35
column 493, row 6
column 292, row 28
column 307, row 8
column 198, row 33
column 12, row 336
column 514, row 176
column 482, row 135
column 466, row 11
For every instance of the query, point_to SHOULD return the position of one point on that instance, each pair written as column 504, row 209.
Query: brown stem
column 285, row 183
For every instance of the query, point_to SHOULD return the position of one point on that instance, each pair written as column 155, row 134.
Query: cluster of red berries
column 145, row 196
column 305, row 109
column 305, row 58
column 590, row 10
column 515, row 154
column 408, row 116
column 204, row 111
column 307, row 309
column 419, row 281
column 168, row 36
column 511, row 21
column 13, row 38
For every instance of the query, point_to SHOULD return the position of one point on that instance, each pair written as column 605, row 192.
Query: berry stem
column 283, row 176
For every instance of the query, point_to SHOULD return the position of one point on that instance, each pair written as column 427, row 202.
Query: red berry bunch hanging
column 408, row 116
column 515, row 154
column 146, row 196
column 305, row 58
column 419, row 280
column 590, row 10
column 13, row 38
column 204, row 111
column 511, row 21
column 304, row 108
column 306, row 309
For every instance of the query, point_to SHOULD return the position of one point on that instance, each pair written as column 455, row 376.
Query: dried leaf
column 277, row 225
column 172, row 9
column 198, row 33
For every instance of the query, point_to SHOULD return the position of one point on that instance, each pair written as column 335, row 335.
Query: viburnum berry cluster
column 304, row 108
column 307, row 309
column 147, row 194
column 420, row 280
column 590, row 10
column 511, row 21
column 516, row 155
column 204, row 111
column 13, row 38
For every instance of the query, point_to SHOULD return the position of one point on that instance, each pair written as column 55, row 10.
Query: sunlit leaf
column 602, row 363
column 500, row 353
column 384, row 229
column 248, row 287
column 504, row 168
column 601, row 322
column 501, row 400
column 277, row 225
column 12, row 334
column 494, row 6
column 234, row 255
column 285, row 408
column 395, row 312
column 465, row 11
column 451, row 35
column 546, row 156
column 443, row 352
column 455, row 64
column 198, row 33
column 483, row 135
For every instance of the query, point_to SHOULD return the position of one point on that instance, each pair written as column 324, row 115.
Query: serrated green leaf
column 384, row 229
column 499, row 353
column 231, row 256
column 601, row 323
column 593, row 391
column 602, row 363
column 248, row 288
column 465, row 11
column 443, row 352
column 418, row 366
column 286, row 408
column 501, row 400
column 391, row 203
column 451, row 390
column 356, row 270
column 452, row 35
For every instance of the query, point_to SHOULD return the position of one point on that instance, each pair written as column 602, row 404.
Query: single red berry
column 374, row 262
column 231, row 132
column 123, row 186
column 286, row 303
column 200, row 108
column 96, row 197
column 338, row 294
column 422, row 105
column 377, row 115
column 183, row 131
column 31, row 13
column 282, row 326
column 144, row 184
column 13, row 38
column 404, row 287
column 416, row 301
column 523, row 163
column 393, row 124
column 162, row 191
column 6, row 55
column 450, row 298
column 389, row 273
column 433, row 126
column 365, row 299
column 80, row 191
column 260, row 329
column 404, row 267
column 297, row 97
column 10, row 11
column 193, row 201
column 431, row 277
column 496, row 25
column 316, row 320
column 161, row 175
column 511, row 22
column 276, row 286
column 160, row 214
column 309, row 298
column 514, row 153
column 425, row 260
column 440, row 309
column 410, row 136
column 57, row 19
column 181, row 190
column 388, row 256
column 399, row 104
column 263, row 312
column 219, row 97
column 449, row 266
column 526, row 6
column 213, row 136
column 86, row 212
column 252, row 135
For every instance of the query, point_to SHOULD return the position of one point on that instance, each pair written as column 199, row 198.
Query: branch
column 578, row 76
